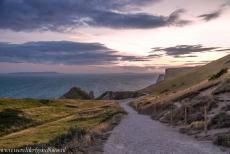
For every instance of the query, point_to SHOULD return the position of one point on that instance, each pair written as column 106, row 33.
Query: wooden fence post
column 185, row 114
column 205, row 120
column 171, row 116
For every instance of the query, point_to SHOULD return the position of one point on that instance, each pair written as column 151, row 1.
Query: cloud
column 192, row 64
column 155, row 55
column 67, row 15
column 185, row 56
column 138, row 20
column 182, row 51
column 139, row 68
column 223, row 49
column 62, row 52
column 226, row 4
column 211, row 16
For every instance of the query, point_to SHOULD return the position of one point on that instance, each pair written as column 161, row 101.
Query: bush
column 197, row 125
column 12, row 120
column 221, row 120
column 72, row 133
column 44, row 101
column 219, row 74
column 224, row 87
column 223, row 139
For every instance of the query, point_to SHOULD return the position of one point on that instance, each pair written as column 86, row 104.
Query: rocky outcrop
column 77, row 93
column 160, row 77
column 118, row 95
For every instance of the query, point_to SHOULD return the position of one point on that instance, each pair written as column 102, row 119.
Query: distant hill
column 77, row 93
column 34, row 73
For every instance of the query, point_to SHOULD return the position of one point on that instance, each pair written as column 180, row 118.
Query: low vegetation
column 219, row 74
column 222, row 139
column 28, row 122
column 221, row 120
column 187, row 98
column 188, row 79
column 223, row 88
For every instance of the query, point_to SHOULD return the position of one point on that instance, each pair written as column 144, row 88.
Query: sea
column 51, row 86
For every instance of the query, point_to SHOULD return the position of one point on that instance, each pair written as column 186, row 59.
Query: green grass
column 188, row 79
column 30, row 121
column 182, row 84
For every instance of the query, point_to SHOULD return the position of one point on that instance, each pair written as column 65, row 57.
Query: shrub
column 224, row 87
column 12, row 119
column 219, row 74
column 223, row 139
column 197, row 125
column 226, row 108
column 44, row 101
column 73, row 132
column 221, row 120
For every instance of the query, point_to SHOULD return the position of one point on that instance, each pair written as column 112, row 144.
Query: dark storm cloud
column 181, row 51
column 138, row 20
column 62, row 52
column 211, row 16
column 66, row 15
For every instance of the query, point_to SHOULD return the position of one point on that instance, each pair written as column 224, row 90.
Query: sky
column 111, row 36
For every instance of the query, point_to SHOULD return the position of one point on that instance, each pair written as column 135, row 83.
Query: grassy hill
column 28, row 122
column 188, row 79
column 182, row 99
column 171, row 72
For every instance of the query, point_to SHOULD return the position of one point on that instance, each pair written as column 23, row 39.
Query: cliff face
column 77, row 93
column 160, row 78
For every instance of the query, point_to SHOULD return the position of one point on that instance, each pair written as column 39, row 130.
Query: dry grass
column 168, row 97
column 51, row 119
column 188, row 79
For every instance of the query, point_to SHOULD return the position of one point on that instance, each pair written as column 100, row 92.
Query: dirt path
column 138, row 134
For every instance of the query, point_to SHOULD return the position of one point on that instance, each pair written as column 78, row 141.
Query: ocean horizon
column 53, row 85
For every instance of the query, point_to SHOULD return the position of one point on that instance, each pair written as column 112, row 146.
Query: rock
column 76, row 93
column 161, row 77
column 110, row 95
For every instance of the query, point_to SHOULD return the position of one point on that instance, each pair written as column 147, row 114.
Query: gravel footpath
column 138, row 134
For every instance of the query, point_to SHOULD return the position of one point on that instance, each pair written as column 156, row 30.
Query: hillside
column 171, row 72
column 188, row 79
column 194, row 102
column 77, row 93
column 55, row 123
